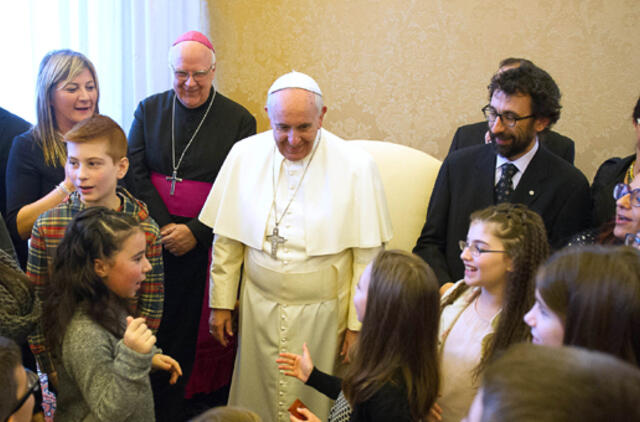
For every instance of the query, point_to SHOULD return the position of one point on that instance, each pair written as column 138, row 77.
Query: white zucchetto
column 295, row 79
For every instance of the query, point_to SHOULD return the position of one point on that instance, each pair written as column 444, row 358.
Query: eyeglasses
column 508, row 119
column 199, row 76
column 33, row 386
column 474, row 250
column 622, row 189
column 632, row 240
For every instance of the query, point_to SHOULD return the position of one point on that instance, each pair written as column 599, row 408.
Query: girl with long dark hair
column 590, row 297
column 393, row 375
column 102, row 354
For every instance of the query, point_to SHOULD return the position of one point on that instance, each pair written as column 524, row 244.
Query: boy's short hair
column 100, row 126
column 10, row 359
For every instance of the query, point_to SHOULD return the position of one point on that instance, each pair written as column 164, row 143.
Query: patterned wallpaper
column 412, row 71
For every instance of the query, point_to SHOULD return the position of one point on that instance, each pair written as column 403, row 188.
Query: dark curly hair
column 95, row 233
column 515, row 62
column 524, row 237
column 636, row 111
column 535, row 82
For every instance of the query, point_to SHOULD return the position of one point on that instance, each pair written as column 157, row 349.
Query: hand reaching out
column 435, row 414
column 295, row 365
column 167, row 363
column 138, row 336
column 306, row 413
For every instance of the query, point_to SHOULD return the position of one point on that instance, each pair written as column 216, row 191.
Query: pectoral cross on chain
column 174, row 178
column 275, row 240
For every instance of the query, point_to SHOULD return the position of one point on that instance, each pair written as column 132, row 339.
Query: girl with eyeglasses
column 102, row 355
column 589, row 297
column 482, row 313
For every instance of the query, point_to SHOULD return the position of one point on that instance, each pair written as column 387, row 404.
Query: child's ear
column 123, row 167
column 101, row 267
column 509, row 264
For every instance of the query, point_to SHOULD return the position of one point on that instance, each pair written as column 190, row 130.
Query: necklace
column 174, row 176
column 477, row 311
column 275, row 238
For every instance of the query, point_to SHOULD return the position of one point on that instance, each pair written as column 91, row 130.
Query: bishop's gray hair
column 173, row 52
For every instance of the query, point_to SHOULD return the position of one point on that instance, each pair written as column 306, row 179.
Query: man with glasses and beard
column 515, row 168
column 478, row 133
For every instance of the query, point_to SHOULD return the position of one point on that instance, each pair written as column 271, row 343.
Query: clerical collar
column 521, row 163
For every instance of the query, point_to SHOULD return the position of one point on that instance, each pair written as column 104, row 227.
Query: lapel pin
column 531, row 193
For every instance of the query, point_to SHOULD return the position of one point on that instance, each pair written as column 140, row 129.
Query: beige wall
column 412, row 71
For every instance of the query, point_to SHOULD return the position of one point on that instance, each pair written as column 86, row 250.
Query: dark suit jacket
column 473, row 134
column 610, row 173
column 550, row 186
column 10, row 127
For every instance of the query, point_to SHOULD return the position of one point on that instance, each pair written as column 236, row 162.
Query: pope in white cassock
column 305, row 215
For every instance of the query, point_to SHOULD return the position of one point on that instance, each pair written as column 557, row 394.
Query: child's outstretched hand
column 306, row 413
column 167, row 363
column 295, row 365
column 137, row 336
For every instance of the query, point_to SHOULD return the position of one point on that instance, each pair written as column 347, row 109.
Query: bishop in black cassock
column 177, row 143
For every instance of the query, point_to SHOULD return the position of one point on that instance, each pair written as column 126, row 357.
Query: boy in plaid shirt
column 96, row 160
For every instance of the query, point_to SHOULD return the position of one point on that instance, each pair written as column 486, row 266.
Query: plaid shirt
column 46, row 235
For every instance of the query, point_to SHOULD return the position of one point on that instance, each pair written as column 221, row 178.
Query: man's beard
column 519, row 143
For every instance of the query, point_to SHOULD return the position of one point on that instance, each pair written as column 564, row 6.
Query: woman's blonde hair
column 56, row 66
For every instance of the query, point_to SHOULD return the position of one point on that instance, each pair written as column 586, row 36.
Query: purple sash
column 188, row 198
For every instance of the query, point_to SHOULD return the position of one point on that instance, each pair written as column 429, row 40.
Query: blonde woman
column 67, row 92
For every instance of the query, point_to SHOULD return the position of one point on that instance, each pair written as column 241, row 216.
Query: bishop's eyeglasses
column 198, row 76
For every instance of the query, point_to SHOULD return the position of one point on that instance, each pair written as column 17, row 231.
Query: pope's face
column 295, row 120
column 192, row 73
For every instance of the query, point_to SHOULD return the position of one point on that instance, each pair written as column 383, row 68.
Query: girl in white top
column 482, row 313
